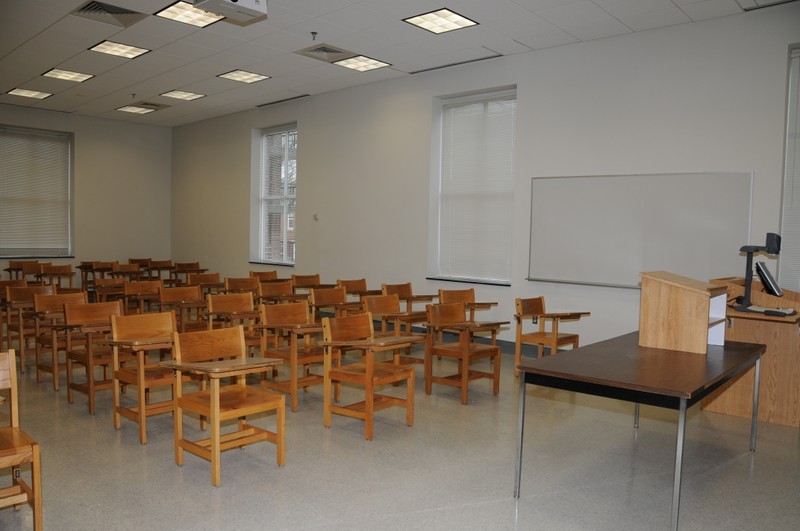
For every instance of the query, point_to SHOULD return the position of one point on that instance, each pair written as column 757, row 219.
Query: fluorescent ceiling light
column 362, row 63
column 188, row 14
column 134, row 109
column 120, row 50
column 181, row 95
column 243, row 76
column 68, row 75
column 440, row 21
column 29, row 93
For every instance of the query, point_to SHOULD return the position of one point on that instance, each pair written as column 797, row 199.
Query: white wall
column 122, row 175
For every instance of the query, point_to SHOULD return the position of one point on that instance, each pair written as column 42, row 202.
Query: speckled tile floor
column 585, row 468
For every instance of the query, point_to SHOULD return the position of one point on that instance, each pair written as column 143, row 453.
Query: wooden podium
column 780, row 366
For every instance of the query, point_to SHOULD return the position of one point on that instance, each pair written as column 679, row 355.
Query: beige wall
column 121, row 183
column 708, row 96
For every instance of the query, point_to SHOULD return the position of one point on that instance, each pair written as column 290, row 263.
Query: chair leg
column 216, row 465
column 369, row 409
column 464, row 378
column 36, row 487
column 410, row 384
column 496, row 380
column 280, row 432
column 517, row 356
column 178, row 431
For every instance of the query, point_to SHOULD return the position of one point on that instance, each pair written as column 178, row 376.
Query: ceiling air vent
column 325, row 52
column 109, row 14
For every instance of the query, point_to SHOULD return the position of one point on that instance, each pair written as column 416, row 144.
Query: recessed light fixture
column 182, row 95
column 243, row 76
column 362, row 63
column 188, row 14
column 440, row 21
column 134, row 109
column 120, row 50
column 68, row 75
column 29, row 93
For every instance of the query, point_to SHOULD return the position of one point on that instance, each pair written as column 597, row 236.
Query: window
column 272, row 222
column 789, row 263
column 472, row 189
column 35, row 193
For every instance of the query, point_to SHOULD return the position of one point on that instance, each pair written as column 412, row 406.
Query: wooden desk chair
column 88, row 325
column 387, row 308
column 280, row 291
column 32, row 270
column 129, row 272
column 141, row 295
column 534, row 310
column 357, row 330
column 158, row 268
column 99, row 270
column 13, row 283
column 222, row 403
column 465, row 351
column 405, row 292
column 232, row 309
column 264, row 275
column 356, row 288
column 466, row 296
column 332, row 300
column 188, row 304
column 208, row 282
column 15, row 268
column 109, row 289
column 49, row 331
column 134, row 336
column 293, row 319
column 58, row 275
column 20, row 324
column 18, row 448
column 305, row 282
column 242, row 285
column 182, row 270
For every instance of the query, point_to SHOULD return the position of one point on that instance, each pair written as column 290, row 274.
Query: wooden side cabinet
column 680, row 313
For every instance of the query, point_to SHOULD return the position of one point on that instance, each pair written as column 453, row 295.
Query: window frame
column 258, row 221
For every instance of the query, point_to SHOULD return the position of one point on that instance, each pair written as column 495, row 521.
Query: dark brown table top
column 620, row 364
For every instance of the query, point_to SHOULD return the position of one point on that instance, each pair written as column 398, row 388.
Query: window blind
column 35, row 193
column 472, row 239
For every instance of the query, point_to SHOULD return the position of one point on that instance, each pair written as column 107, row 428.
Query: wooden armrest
column 223, row 368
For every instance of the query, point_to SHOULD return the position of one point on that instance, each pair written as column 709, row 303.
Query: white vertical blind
column 35, row 193
column 474, row 193
column 789, row 263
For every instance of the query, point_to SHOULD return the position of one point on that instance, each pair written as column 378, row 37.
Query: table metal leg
column 520, row 431
column 754, row 421
column 676, row 487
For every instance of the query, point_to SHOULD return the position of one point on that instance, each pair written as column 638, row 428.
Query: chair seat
column 239, row 400
column 16, row 446
column 476, row 350
column 154, row 375
column 383, row 373
column 562, row 339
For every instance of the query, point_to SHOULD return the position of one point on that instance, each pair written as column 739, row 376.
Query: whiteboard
column 607, row 229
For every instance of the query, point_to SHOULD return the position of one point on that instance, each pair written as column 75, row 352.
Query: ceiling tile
column 585, row 20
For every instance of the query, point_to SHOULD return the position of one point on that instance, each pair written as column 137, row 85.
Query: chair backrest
column 306, row 281
column 24, row 294
column 456, row 295
column 179, row 294
column 264, row 275
column 291, row 313
column 160, row 264
column 142, row 287
column 321, row 297
column 187, row 266
column 143, row 262
column 56, row 269
column 143, row 326
column 276, row 289
column 195, row 279
column 529, row 307
column 99, row 269
column 209, row 345
column 125, row 268
column 241, row 284
column 32, row 267
column 110, row 283
column 15, row 283
column 348, row 328
column 358, row 285
column 404, row 291
column 92, row 314
column 444, row 313
column 8, row 380
column 381, row 304
column 229, row 302
column 55, row 303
